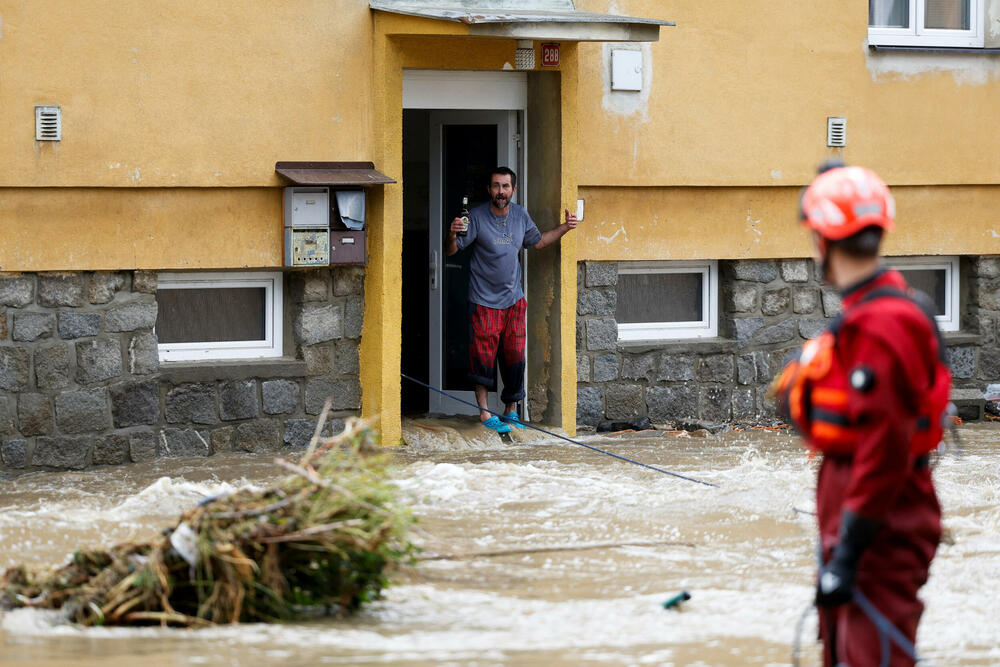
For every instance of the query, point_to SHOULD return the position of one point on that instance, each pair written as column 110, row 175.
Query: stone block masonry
column 767, row 309
column 81, row 382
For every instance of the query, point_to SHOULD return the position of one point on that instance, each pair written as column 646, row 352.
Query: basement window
column 938, row 277
column 667, row 300
column 927, row 23
column 206, row 316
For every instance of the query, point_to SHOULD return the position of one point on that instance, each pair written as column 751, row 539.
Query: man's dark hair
column 505, row 171
column 863, row 245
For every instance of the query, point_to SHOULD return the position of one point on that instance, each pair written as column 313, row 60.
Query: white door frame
column 465, row 97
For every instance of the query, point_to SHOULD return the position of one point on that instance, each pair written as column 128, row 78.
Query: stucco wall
column 739, row 94
column 205, row 93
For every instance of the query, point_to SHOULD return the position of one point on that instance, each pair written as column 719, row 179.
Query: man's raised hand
column 571, row 220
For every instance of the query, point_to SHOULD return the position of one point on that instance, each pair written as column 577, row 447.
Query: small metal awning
column 529, row 19
column 332, row 173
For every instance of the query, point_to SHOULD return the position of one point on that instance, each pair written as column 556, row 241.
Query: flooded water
column 742, row 550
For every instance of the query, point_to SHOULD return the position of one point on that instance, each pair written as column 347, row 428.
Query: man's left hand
column 571, row 220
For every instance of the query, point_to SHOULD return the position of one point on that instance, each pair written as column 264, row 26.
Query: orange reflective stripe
column 832, row 432
column 829, row 396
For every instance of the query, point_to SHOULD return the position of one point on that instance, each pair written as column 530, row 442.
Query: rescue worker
column 869, row 394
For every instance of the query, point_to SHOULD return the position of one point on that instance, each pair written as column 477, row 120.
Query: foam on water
column 749, row 563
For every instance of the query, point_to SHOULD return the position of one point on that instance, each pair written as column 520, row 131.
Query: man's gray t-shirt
column 494, row 270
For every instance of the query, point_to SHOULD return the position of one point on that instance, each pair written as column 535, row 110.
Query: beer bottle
column 464, row 216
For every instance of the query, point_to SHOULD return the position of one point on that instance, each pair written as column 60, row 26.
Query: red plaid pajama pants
column 498, row 335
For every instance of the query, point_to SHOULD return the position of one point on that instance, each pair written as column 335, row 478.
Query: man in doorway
column 497, row 232
column 870, row 394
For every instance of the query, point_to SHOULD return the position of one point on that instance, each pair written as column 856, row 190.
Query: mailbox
column 348, row 248
column 307, row 226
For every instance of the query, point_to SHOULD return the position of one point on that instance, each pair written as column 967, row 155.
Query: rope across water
column 561, row 437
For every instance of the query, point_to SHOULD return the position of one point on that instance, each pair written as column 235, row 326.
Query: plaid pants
column 498, row 335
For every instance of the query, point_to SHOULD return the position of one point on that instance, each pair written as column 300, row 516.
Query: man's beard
column 500, row 201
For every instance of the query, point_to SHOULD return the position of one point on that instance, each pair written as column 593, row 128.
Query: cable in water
column 561, row 437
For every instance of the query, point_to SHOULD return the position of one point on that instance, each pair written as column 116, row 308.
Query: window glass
column 660, row 297
column 932, row 282
column 889, row 13
column 211, row 315
column 231, row 315
column 947, row 14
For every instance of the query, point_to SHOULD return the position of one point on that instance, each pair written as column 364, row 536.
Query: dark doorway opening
column 468, row 154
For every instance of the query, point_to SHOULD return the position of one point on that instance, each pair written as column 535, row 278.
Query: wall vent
column 524, row 55
column 48, row 124
column 836, row 131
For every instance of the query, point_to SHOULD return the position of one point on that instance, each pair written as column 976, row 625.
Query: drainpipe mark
column 752, row 227
column 609, row 239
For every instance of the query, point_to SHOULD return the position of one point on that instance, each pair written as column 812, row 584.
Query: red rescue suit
column 865, row 416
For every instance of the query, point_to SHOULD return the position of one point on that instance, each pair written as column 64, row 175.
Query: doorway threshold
column 453, row 433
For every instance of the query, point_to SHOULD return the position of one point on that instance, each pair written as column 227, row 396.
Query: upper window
column 953, row 23
column 665, row 300
column 218, row 316
column 938, row 278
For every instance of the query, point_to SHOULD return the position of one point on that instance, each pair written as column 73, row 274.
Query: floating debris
column 676, row 600
column 323, row 539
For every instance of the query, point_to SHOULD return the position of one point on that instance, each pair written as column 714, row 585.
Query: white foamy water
column 743, row 552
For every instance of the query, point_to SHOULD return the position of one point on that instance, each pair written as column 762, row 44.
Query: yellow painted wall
column 740, row 91
column 630, row 223
column 196, row 93
column 52, row 229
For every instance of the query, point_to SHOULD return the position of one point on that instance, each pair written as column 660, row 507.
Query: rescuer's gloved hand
column 836, row 578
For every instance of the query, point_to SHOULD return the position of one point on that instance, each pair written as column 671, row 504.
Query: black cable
column 556, row 435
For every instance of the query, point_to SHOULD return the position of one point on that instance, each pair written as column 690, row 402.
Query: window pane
column 947, row 14
column 889, row 13
column 659, row 297
column 210, row 315
column 930, row 282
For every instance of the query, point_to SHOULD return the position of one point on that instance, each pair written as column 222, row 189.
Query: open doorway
column 447, row 154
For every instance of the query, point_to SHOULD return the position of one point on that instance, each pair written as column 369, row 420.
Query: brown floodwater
column 744, row 551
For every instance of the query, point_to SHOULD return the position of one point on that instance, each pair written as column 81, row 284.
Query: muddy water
column 742, row 551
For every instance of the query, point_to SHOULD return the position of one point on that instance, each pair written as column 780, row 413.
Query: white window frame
column 918, row 35
column 271, row 346
column 707, row 327
column 952, row 318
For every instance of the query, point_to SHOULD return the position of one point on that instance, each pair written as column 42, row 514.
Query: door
column 465, row 146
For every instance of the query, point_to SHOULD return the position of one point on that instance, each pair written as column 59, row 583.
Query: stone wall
column 767, row 309
column 81, row 383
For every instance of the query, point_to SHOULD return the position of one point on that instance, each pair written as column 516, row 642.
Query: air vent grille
column 524, row 58
column 836, row 131
column 48, row 124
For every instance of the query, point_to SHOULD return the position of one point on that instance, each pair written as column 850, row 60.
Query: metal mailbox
column 307, row 226
column 348, row 248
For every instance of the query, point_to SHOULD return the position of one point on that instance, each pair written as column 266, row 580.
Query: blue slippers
column 495, row 424
column 514, row 420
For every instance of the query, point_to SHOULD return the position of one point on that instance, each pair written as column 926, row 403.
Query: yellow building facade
column 174, row 116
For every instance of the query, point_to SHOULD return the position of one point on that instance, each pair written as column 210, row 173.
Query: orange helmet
column 842, row 201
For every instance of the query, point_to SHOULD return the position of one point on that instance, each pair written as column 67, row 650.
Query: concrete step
column 970, row 403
